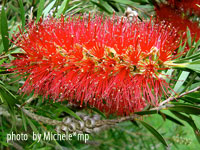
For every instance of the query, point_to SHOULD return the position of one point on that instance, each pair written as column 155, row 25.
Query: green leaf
column 126, row 2
column 189, row 37
column 168, row 74
column 134, row 123
column 73, row 7
column 194, row 94
column 165, row 116
column 182, row 78
column 181, row 48
column 78, row 10
column 195, row 66
column 191, row 80
column 102, row 6
column 147, row 112
column 98, row 111
column 192, row 57
column 67, row 110
column 190, row 121
column 194, row 85
column 154, row 132
column 191, row 99
column 70, row 112
column 188, row 65
column 107, row 6
column 10, row 94
column 189, row 109
column 62, row 8
column 40, row 9
column 32, row 125
column 192, row 50
column 24, row 121
column 22, row 13
column 4, row 29
column 5, row 143
column 48, row 8
column 8, row 98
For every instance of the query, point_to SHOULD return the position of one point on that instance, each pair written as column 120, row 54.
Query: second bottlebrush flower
column 109, row 63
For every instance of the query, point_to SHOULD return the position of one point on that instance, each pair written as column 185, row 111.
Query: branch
column 29, row 100
column 40, row 118
column 91, row 124
column 88, row 124
column 178, row 96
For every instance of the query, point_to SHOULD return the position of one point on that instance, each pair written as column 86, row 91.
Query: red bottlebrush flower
column 186, row 6
column 111, row 64
column 176, row 19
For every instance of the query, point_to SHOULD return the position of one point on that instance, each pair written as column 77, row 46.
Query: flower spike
column 110, row 64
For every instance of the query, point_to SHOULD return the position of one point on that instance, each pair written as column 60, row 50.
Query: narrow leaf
column 67, row 110
column 70, row 112
column 182, row 78
column 134, row 122
column 189, row 37
column 62, row 8
column 40, row 9
column 22, row 13
column 146, row 112
column 73, row 7
column 191, row 99
column 171, row 118
column 192, row 57
column 154, row 132
column 98, row 111
column 32, row 126
column 192, row 50
column 195, row 66
column 4, row 29
column 127, row 2
column 24, row 121
column 186, row 109
column 102, row 6
column 7, row 98
column 190, row 121
column 48, row 8
column 191, row 80
column 168, row 74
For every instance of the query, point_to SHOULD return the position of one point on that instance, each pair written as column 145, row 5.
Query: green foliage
column 22, row 13
column 154, row 132
column 40, row 9
column 4, row 29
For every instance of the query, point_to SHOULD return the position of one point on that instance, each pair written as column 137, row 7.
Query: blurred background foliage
column 178, row 124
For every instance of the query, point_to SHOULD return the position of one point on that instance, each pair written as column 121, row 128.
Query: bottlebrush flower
column 175, row 17
column 186, row 6
column 111, row 64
